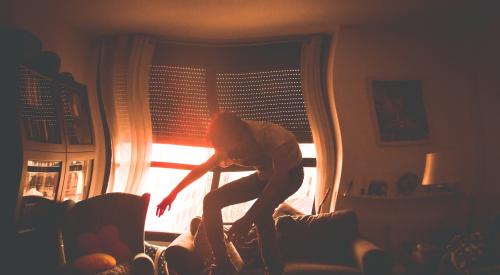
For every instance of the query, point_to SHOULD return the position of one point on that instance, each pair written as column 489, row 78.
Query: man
column 275, row 154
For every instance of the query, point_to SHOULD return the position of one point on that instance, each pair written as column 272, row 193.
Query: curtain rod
column 236, row 42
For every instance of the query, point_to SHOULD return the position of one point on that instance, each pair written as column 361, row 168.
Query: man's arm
column 195, row 174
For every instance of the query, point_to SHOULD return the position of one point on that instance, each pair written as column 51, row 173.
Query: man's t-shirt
column 269, row 137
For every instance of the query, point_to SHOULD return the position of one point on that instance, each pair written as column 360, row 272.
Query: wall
column 77, row 53
column 485, row 65
column 436, row 59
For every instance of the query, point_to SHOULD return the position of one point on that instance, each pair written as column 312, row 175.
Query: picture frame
column 398, row 111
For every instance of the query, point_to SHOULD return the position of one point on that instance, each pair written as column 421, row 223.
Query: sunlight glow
column 189, row 203
column 180, row 154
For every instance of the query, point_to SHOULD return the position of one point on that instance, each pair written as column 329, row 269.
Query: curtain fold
column 321, row 119
column 124, row 70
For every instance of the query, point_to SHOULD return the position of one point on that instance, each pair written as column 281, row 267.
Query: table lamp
column 441, row 171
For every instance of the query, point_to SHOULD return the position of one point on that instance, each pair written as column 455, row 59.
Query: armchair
column 329, row 243
column 37, row 242
column 111, row 217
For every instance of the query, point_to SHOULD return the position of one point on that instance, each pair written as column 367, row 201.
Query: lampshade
column 441, row 169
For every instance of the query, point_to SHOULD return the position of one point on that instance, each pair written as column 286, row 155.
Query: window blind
column 258, row 82
column 178, row 104
column 272, row 95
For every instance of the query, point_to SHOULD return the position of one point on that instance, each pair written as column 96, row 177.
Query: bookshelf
column 50, row 131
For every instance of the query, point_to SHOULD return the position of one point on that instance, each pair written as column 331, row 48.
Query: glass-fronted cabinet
column 58, row 144
column 47, row 126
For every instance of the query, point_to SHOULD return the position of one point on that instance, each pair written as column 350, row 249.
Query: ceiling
column 236, row 19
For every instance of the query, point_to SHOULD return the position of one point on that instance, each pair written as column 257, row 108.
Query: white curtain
column 323, row 121
column 125, row 65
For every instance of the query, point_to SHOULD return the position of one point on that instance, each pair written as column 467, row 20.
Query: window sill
column 160, row 236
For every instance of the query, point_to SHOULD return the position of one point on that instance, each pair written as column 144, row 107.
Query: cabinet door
column 39, row 112
column 79, row 169
column 42, row 173
column 77, row 119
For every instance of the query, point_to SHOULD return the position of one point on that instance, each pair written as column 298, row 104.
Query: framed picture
column 399, row 111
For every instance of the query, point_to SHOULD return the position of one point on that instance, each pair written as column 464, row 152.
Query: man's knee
column 211, row 201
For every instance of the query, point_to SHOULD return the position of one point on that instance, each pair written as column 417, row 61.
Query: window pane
column 308, row 150
column 188, row 204
column 302, row 200
column 180, row 154
column 38, row 107
column 42, row 178
column 76, row 115
column 78, row 184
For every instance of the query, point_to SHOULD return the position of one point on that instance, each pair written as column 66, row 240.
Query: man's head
column 228, row 132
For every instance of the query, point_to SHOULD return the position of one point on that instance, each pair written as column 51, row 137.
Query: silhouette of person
column 275, row 154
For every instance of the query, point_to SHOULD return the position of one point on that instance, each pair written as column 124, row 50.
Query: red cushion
column 89, row 243
column 107, row 240
column 108, row 234
column 120, row 251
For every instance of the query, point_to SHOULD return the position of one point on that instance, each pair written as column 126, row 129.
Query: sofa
column 327, row 243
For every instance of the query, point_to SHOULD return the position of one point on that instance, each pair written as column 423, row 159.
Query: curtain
column 322, row 119
column 125, row 65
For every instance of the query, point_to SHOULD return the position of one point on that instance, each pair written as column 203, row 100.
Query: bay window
column 188, row 83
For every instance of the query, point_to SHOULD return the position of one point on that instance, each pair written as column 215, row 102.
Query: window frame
column 170, row 236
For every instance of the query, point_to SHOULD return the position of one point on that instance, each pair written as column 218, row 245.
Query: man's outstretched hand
column 166, row 202
column 239, row 229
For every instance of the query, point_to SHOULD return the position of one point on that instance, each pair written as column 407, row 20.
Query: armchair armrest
column 142, row 265
column 371, row 259
column 182, row 257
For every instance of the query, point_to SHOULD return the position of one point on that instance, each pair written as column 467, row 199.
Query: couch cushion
column 309, row 268
column 323, row 237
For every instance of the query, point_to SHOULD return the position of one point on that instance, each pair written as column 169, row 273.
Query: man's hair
column 225, row 125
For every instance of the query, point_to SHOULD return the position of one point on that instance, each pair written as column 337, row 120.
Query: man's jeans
column 242, row 190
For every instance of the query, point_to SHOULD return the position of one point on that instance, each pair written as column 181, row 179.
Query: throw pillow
column 108, row 234
column 89, row 243
column 106, row 240
column 110, row 238
column 95, row 262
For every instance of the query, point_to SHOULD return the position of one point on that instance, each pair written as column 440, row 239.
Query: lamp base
column 436, row 188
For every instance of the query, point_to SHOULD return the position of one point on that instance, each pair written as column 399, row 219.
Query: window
column 187, row 84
